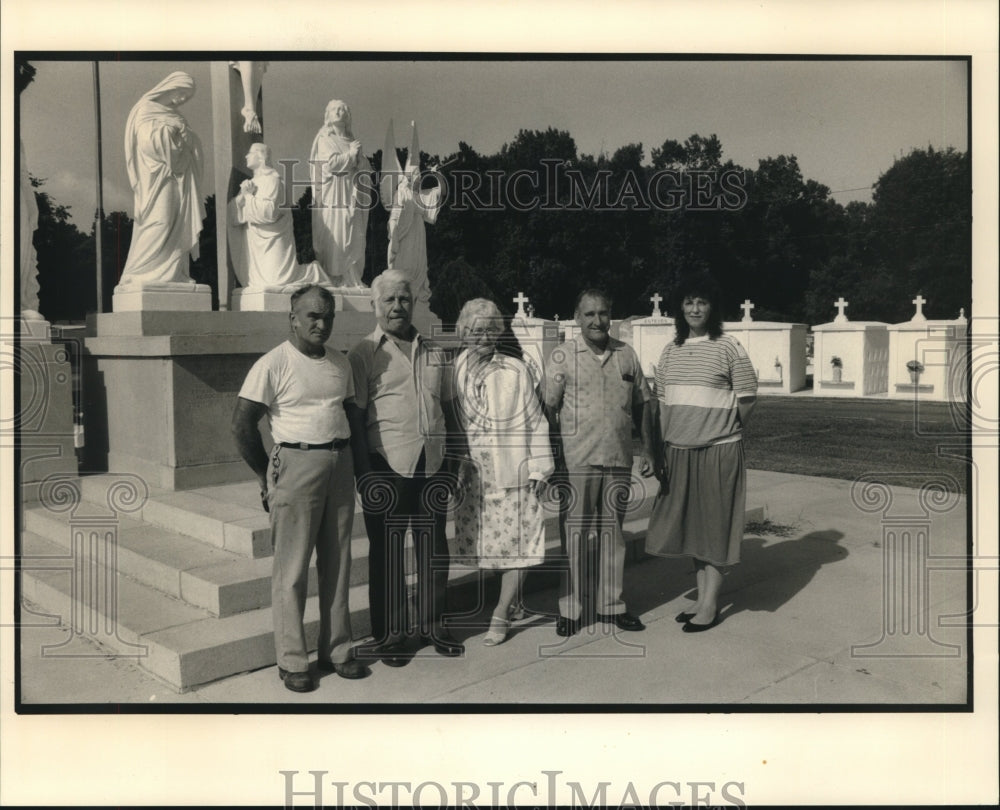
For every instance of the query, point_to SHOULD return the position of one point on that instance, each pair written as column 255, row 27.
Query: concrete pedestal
column 159, row 389
column 196, row 298
column 537, row 336
column 44, row 418
column 777, row 351
column 863, row 349
column 940, row 346
column 258, row 301
column 649, row 336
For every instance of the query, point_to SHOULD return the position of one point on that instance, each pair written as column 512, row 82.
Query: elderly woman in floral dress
column 499, row 519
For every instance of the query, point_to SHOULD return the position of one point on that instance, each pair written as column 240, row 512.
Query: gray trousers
column 597, row 500
column 311, row 498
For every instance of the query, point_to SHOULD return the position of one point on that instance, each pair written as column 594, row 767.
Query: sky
column 846, row 121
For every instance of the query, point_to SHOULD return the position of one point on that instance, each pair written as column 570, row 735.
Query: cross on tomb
column 840, row 304
column 746, row 306
column 656, row 305
column 919, row 301
column 520, row 299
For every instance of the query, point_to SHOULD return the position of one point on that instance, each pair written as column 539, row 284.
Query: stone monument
column 410, row 208
column 928, row 358
column 537, row 336
column 776, row 349
column 237, row 124
column 164, row 160
column 44, row 412
column 261, row 227
column 340, row 213
column 251, row 76
column 850, row 358
column 650, row 335
column 31, row 318
column 160, row 387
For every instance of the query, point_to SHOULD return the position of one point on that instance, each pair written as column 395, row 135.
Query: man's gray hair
column 389, row 277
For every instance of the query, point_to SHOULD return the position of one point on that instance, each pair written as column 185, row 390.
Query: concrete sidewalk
column 809, row 617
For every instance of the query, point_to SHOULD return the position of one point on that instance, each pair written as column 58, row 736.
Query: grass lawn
column 847, row 438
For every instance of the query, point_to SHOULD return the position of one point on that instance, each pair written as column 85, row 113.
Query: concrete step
column 181, row 644
column 227, row 523
column 210, row 578
column 222, row 582
column 185, row 645
column 189, row 610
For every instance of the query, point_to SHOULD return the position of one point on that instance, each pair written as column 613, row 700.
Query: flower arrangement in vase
column 916, row 368
column 838, row 368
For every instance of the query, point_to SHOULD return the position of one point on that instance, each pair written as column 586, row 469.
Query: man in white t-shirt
column 306, row 484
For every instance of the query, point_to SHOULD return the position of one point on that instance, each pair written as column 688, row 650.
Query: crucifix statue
column 520, row 299
column 841, row 304
column 656, row 305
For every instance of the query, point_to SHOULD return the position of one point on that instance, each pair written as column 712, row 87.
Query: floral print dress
column 499, row 521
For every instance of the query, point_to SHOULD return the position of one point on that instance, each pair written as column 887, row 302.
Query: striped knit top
column 700, row 383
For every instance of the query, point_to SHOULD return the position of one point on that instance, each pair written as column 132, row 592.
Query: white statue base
column 347, row 299
column 34, row 325
column 249, row 300
column 353, row 299
column 183, row 298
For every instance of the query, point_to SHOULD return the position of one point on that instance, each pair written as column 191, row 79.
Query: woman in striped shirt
column 706, row 388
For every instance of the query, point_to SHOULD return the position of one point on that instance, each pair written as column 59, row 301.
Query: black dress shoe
column 296, row 681
column 691, row 627
column 680, row 618
column 391, row 652
column 567, row 627
column 352, row 670
column 444, row 643
column 623, row 621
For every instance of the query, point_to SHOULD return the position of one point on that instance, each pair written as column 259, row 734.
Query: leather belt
column 336, row 444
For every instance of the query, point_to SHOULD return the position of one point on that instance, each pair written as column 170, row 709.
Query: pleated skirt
column 701, row 512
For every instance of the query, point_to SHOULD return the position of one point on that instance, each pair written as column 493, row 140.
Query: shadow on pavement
column 788, row 566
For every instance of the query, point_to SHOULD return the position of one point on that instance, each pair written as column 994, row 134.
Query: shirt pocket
column 623, row 394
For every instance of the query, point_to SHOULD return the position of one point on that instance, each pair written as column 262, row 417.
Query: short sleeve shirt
column 402, row 391
column 700, row 383
column 304, row 395
column 594, row 396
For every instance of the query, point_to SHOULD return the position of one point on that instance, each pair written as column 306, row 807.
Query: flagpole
column 99, row 215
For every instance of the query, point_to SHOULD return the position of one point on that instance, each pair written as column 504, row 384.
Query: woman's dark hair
column 697, row 285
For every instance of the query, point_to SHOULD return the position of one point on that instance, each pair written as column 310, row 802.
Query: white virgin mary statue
column 340, row 212
column 164, row 160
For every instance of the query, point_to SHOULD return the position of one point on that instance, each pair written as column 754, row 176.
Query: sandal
column 517, row 612
column 496, row 636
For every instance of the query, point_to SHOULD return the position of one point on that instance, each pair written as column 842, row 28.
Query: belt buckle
column 303, row 446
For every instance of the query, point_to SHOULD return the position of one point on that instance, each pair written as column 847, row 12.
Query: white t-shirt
column 304, row 395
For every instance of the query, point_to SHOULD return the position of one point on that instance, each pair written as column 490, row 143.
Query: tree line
column 539, row 217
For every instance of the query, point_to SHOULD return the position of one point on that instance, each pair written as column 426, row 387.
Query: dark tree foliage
column 540, row 218
column 66, row 274
column 915, row 237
